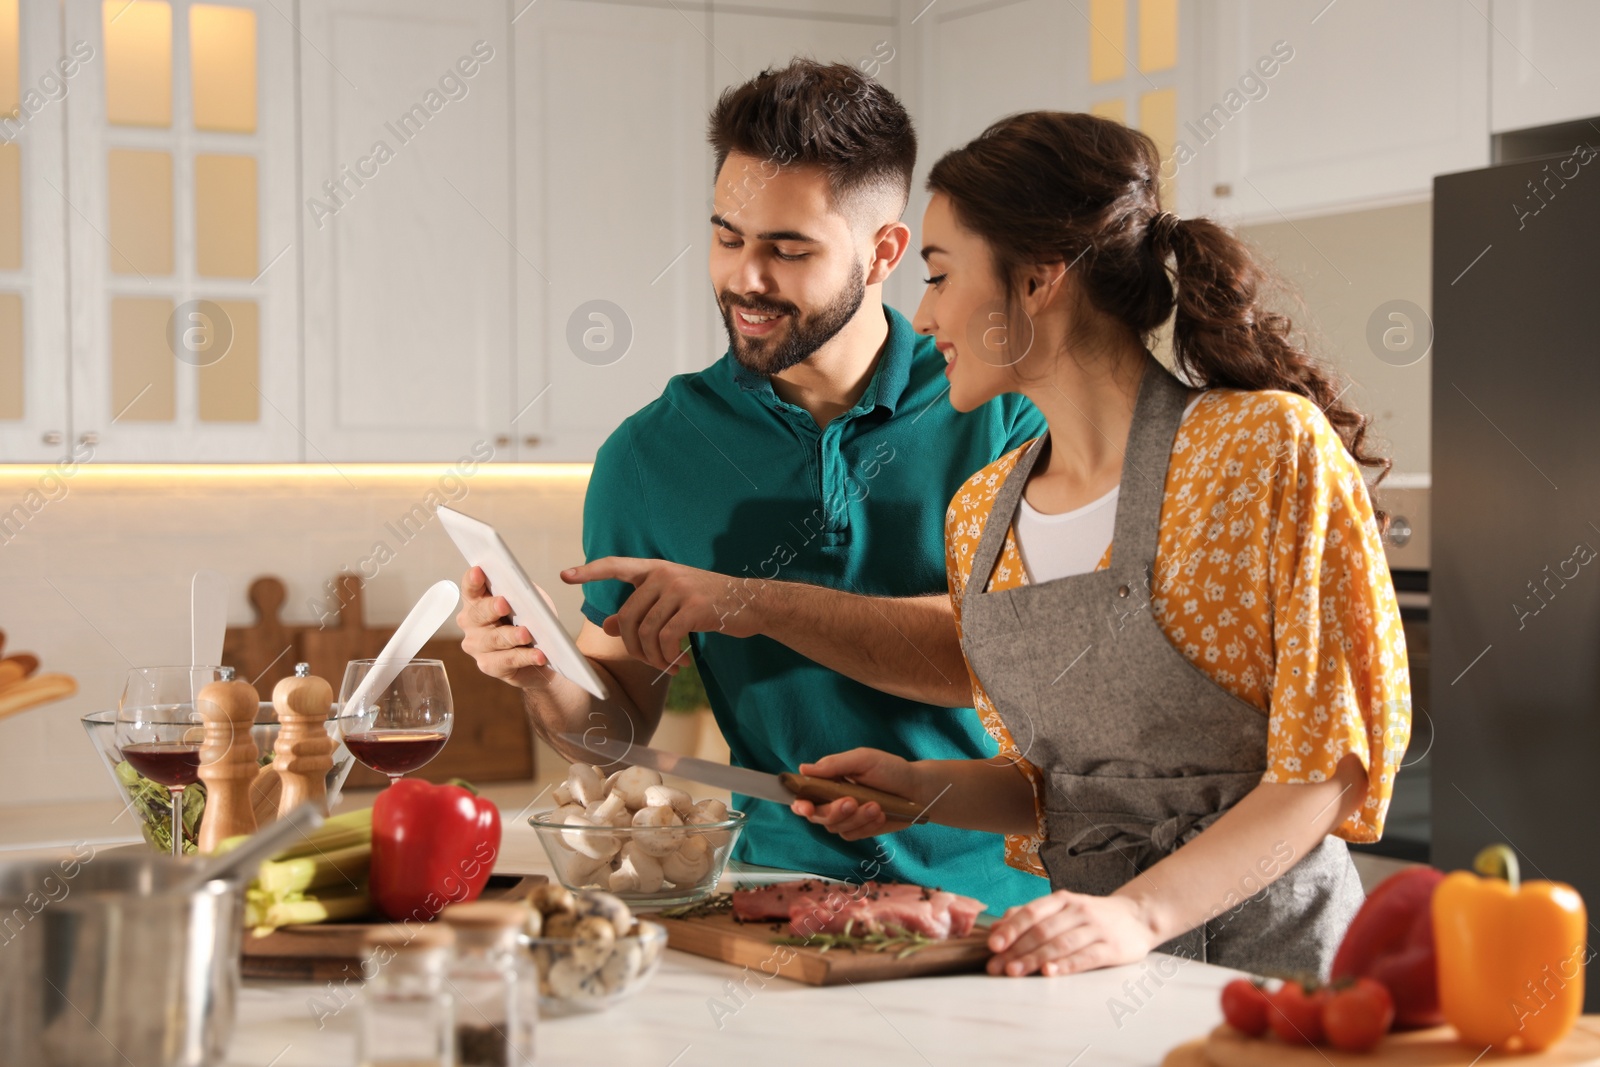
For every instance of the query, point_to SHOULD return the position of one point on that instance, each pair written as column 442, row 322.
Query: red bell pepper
column 432, row 845
column 1391, row 940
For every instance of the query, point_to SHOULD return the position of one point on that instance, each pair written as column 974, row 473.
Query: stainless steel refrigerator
column 1516, row 517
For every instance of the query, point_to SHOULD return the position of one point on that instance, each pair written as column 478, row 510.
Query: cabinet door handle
column 502, row 440
column 52, row 437
column 89, row 437
column 533, row 440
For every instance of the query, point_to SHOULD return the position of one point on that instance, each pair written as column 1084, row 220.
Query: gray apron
column 1140, row 751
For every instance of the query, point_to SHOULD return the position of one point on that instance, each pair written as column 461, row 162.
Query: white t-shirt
column 1074, row 542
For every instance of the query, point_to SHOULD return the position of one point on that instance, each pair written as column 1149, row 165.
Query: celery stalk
column 339, row 867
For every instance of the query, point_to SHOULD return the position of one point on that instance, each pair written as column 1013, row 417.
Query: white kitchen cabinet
column 407, row 228
column 34, row 418
column 613, row 175
column 180, row 185
column 1366, row 102
column 986, row 62
column 1542, row 62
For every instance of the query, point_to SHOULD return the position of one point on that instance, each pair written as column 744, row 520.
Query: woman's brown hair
column 1045, row 186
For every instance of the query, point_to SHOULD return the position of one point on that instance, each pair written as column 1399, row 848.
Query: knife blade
column 778, row 788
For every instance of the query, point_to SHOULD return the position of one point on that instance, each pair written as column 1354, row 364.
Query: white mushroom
column 709, row 812
column 592, row 941
column 657, row 796
column 613, row 811
column 582, row 840
column 533, row 925
column 561, row 794
column 623, row 966
column 651, row 833
column 608, row 907
column 639, row 872
column 611, row 779
column 689, row 863
column 583, row 870
column 632, row 783
column 565, row 812
column 585, row 784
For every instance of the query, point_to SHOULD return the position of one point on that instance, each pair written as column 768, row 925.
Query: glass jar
column 406, row 1009
column 496, row 992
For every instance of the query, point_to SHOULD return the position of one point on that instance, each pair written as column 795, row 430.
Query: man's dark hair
column 829, row 115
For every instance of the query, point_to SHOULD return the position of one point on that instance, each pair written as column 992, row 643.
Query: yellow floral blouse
column 1270, row 578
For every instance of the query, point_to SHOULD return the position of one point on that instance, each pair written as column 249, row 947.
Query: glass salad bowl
column 148, row 800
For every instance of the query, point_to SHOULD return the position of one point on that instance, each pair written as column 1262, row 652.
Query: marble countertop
column 698, row 1012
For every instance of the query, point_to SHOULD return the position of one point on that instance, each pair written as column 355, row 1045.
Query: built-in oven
column 1407, row 830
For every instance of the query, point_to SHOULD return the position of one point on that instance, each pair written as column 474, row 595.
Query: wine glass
column 159, row 732
column 399, row 728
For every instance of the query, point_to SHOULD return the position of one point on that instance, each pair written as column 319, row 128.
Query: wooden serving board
column 1437, row 1047
column 322, row 952
column 721, row 937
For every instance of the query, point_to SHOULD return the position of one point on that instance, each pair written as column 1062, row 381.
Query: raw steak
column 813, row 907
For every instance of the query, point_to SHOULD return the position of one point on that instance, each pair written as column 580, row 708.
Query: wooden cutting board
column 492, row 740
column 1438, row 1047
column 720, row 937
column 325, row 952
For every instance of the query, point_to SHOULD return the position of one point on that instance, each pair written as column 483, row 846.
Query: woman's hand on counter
column 1068, row 932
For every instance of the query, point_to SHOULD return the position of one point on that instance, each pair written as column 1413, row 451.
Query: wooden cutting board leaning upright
column 491, row 741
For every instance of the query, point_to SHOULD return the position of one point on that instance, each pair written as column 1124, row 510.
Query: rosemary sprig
column 896, row 939
column 716, row 904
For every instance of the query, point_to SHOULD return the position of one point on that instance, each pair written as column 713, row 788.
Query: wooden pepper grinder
column 304, row 753
column 228, row 759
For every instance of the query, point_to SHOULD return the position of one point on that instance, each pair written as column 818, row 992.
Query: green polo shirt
column 722, row 475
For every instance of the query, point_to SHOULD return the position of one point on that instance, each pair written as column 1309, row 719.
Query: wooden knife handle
column 822, row 790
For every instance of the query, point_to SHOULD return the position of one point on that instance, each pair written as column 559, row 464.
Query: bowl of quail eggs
column 631, row 835
column 590, row 951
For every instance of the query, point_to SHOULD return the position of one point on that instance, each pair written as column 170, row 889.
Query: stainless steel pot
column 104, row 960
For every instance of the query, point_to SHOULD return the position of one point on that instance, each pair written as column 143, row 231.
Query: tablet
column 482, row 546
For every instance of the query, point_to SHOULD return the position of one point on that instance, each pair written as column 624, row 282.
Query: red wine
column 171, row 763
column 395, row 751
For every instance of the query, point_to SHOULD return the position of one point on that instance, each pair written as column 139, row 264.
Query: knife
column 778, row 788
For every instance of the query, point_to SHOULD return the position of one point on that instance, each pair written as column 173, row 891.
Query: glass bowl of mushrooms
column 588, row 948
column 634, row 836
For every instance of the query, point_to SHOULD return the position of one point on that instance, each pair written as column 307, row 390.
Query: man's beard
column 799, row 336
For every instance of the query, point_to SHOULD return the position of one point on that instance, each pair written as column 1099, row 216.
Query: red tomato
column 1295, row 1013
column 1357, row 1017
column 1244, row 1006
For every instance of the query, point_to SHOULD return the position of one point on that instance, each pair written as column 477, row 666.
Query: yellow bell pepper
column 1510, row 955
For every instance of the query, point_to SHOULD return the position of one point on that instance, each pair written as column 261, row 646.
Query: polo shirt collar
column 889, row 379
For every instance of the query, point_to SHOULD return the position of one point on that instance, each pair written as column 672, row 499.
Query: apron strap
column 998, row 524
column 1148, row 453
column 1156, row 415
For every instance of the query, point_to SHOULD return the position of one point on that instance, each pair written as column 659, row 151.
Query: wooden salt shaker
column 228, row 759
column 304, row 753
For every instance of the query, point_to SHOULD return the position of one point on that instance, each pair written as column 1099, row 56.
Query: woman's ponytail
column 1222, row 335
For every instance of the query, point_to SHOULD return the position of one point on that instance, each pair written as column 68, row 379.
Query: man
column 783, row 509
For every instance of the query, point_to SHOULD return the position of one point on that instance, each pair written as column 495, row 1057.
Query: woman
column 1175, row 602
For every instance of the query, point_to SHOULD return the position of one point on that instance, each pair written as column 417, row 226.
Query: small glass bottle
column 496, row 995
column 406, row 1015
